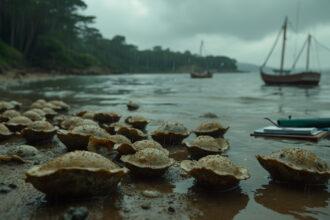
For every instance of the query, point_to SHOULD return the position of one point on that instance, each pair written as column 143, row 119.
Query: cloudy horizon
column 243, row 30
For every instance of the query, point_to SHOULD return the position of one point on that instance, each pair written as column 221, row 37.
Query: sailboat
column 201, row 74
column 286, row 77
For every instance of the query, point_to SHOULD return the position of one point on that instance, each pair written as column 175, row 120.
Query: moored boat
column 288, row 77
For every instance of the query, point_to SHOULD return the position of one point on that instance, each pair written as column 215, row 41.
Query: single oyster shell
column 170, row 134
column 17, row 105
column 18, row 123
column 24, row 151
column 8, row 114
column 58, row 105
column 137, row 122
column 215, row 171
column 5, row 133
column 49, row 113
column 78, row 138
column 213, row 128
column 131, row 133
column 33, row 115
column 295, row 165
column 106, row 117
column 206, row 145
column 139, row 145
column 40, row 103
column 39, row 111
column 148, row 162
column 4, row 105
column 86, row 114
column 110, row 142
column 76, row 174
column 131, row 106
column 39, row 131
column 74, row 121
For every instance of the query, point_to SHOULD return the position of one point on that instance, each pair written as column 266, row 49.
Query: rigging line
column 317, row 55
column 273, row 47
column 321, row 45
column 297, row 58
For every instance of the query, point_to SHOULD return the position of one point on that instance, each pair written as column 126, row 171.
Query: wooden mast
column 283, row 44
column 308, row 51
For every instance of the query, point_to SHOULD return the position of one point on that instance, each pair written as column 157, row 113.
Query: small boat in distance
column 286, row 77
column 205, row 74
column 201, row 74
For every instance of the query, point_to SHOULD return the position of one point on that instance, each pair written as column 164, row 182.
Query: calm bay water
column 240, row 100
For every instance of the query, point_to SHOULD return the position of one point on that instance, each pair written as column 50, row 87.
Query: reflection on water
column 216, row 205
column 298, row 201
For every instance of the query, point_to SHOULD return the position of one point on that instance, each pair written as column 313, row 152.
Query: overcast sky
column 241, row 29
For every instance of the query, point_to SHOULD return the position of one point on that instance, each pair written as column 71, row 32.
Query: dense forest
column 55, row 35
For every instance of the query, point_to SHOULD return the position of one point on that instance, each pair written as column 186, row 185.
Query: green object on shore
column 305, row 123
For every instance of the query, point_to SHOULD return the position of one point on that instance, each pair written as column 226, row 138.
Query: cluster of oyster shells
column 86, row 169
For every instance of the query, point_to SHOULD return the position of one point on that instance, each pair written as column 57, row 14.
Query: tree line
column 54, row 34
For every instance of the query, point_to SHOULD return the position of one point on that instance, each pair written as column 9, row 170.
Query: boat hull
column 303, row 78
column 201, row 75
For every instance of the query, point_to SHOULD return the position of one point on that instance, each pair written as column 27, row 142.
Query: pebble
column 76, row 213
column 131, row 106
column 150, row 193
column 145, row 206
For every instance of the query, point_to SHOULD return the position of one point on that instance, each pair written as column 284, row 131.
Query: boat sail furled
column 285, row 77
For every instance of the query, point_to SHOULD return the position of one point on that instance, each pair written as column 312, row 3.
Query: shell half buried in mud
column 39, row 131
column 206, row 145
column 295, row 165
column 170, row 134
column 212, row 128
column 106, row 117
column 78, row 137
column 18, row 123
column 131, row 133
column 5, row 133
column 138, row 122
column 139, row 145
column 148, row 162
column 215, row 171
column 110, row 142
column 76, row 174
column 6, row 115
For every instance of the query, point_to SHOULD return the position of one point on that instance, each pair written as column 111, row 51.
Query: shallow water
column 240, row 100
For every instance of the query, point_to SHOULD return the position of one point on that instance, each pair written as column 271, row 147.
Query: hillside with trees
column 55, row 35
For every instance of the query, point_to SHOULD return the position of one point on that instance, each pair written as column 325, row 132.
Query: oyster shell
column 86, row 114
column 74, row 121
column 106, row 117
column 137, row 122
column 131, row 133
column 206, row 145
column 4, row 105
column 18, row 123
column 39, row 131
column 5, row 133
column 76, row 174
column 78, row 137
column 295, row 165
column 8, row 114
column 170, row 133
column 139, row 145
column 131, row 106
column 215, row 171
column 212, row 128
column 24, row 151
column 34, row 115
column 148, row 162
column 110, row 142
column 58, row 105
column 49, row 113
